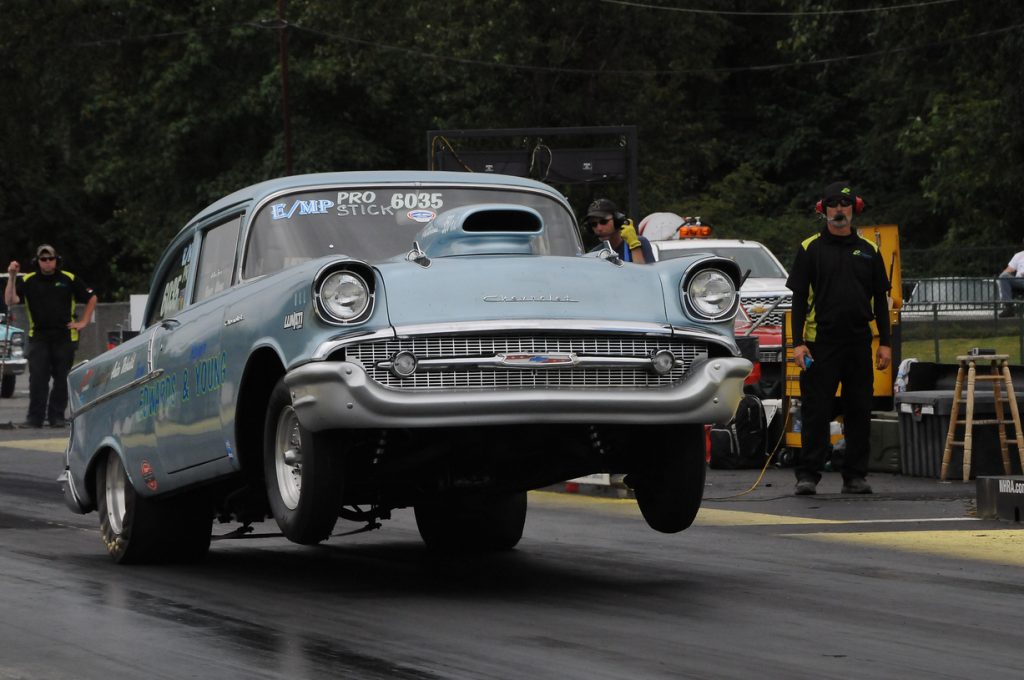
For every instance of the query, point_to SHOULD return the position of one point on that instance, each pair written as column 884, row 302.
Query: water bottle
column 795, row 417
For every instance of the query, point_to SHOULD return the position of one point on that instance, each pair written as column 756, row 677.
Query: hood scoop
column 482, row 229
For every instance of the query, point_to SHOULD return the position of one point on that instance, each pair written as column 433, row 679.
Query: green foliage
column 950, row 347
column 123, row 118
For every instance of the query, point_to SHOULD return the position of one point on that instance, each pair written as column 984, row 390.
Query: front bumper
column 73, row 497
column 339, row 394
column 14, row 366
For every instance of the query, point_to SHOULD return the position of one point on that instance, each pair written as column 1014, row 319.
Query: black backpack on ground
column 743, row 443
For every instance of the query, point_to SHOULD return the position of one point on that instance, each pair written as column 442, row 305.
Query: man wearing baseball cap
column 50, row 296
column 839, row 288
column 609, row 225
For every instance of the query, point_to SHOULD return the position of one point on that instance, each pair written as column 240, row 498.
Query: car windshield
column 375, row 223
column 757, row 260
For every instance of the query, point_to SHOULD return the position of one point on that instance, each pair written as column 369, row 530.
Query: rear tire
column 138, row 530
column 303, row 472
column 476, row 523
column 7, row 386
column 670, row 487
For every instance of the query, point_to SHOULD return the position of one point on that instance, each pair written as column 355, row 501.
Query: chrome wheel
column 302, row 471
column 137, row 529
column 288, row 458
column 115, row 483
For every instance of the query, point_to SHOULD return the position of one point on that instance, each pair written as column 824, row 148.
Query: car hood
column 7, row 331
column 475, row 288
column 752, row 286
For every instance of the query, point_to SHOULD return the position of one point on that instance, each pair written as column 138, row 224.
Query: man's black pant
column 850, row 364
column 48, row 359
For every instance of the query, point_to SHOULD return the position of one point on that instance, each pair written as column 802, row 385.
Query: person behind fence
column 839, row 287
column 1011, row 279
column 609, row 225
column 50, row 296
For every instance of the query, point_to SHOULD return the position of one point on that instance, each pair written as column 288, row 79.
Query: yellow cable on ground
column 764, row 469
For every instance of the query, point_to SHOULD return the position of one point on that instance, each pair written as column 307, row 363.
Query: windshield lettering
column 281, row 211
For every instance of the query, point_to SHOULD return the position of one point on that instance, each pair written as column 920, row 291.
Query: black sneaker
column 806, row 487
column 856, row 485
column 29, row 425
column 1006, row 313
column 58, row 423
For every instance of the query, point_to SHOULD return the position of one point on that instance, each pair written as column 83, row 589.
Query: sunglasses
column 594, row 223
column 838, row 202
column 47, row 258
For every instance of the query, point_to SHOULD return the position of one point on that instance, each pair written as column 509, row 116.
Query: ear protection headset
column 858, row 206
column 618, row 219
column 60, row 261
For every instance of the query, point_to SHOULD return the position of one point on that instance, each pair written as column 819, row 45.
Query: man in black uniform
column 839, row 287
column 50, row 296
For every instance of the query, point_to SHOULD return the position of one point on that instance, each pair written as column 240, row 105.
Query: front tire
column 670, row 487
column 472, row 523
column 138, row 530
column 303, row 472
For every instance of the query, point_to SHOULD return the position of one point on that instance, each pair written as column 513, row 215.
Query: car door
column 188, row 427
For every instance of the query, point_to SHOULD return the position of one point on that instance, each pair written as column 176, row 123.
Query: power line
column 654, row 72
column 813, row 12
column 280, row 25
column 105, row 42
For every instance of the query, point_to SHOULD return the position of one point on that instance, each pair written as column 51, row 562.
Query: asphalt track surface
column 906, row 583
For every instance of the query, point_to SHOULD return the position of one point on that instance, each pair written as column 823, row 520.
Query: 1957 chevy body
column 344, row 344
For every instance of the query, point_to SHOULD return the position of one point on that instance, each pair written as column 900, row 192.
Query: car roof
column 258, row 191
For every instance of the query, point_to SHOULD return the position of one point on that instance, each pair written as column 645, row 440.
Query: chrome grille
column 370, row 354
column 777, row 315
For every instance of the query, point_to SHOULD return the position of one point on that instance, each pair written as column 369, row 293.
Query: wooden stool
column 1000, row 379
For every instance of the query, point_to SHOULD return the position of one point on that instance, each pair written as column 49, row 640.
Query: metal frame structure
column 577, row 166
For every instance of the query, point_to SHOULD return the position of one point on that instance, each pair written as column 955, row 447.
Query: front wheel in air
column 669, row 485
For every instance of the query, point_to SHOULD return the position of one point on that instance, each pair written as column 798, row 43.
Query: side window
column 217, row 258
column 170, row 291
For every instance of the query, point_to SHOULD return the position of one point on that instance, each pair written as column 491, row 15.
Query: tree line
column 123, row 118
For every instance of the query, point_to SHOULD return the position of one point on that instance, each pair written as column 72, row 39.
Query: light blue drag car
column 12, row 354
column 341, row 345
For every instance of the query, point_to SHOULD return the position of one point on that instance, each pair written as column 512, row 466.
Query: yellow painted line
column 735, row 518
column 705, row 517
column 996, row 545
column 55, row 445
column 714, row 517
column 1000, row 546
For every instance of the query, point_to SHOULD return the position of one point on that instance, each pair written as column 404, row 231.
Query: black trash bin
column 924, row 422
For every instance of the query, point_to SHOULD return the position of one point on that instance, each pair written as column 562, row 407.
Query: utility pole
column 282, row 44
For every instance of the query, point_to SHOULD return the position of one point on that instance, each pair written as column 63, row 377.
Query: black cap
column 602, row 207
column 839, row 190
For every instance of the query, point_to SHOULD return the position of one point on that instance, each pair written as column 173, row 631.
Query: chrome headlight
column 711, row 294
column 17, row 345
column 343, row 295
